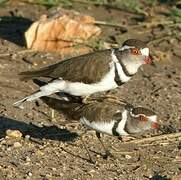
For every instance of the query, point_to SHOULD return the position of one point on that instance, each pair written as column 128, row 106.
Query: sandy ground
column 51, row 149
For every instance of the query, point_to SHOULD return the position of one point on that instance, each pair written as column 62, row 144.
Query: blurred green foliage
column 2, row 2
column 176, row 14
column 50, row 3
column 129, row 5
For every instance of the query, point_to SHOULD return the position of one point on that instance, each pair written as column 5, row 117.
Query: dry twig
column 105, row 23
column 155, row 138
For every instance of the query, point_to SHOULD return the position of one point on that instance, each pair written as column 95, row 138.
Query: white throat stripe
column 145, row 51
column 114, row 58
column 120, row 129
column 122, row 76
column 153, row 118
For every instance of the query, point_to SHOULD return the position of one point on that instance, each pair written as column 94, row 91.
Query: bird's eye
column 135, row 51
column 143, row 118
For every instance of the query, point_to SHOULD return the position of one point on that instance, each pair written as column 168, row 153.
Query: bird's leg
column 84, row 144
column 107, row 152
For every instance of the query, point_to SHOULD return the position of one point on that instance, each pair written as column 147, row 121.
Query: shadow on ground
column 13, row 29
column 159, row 177
column 46, row 132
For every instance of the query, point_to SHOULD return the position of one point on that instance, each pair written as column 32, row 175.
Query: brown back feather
column 97, row 111
column 135, row 42
column 77, row 69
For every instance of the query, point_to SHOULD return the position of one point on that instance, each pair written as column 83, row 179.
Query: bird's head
column 142, row 119
column 133, row 53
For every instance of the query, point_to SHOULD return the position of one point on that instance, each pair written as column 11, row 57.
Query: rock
column 66, row 29
column 17, row 145
column 13, row 133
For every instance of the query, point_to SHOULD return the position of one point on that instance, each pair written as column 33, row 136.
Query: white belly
column 107, row 127
column 82, row 89
column 102, row 127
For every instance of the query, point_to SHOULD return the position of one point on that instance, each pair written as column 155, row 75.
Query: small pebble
column 14, row 56
column 29, row 174
column 28, row 159
column 27, row 137
column 54, row 169
column 8, row 149
column 92, row 173
column 3, row 141
column 35, row 64
column 98, row 156
column 48, row 176
column 13, row 133
column 128, row 156
column 17, row 145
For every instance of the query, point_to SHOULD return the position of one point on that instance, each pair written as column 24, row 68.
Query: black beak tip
column 152, row 61
column 153, row 64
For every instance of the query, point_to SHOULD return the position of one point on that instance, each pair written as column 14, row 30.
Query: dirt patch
column 52, row 150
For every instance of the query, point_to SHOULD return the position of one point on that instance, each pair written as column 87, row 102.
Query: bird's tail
column 31, row 97
column 19, row 104
column 66, row 107
column 65, row 103
column 45, row 90
column 39, row 82
column 58, row 104
column 27, row 75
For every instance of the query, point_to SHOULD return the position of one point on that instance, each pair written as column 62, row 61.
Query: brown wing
column 100, row 111
column 77, row 69
column 103, row 111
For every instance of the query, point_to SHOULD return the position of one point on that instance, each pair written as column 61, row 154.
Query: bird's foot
column 88, row 100
column 107, row 154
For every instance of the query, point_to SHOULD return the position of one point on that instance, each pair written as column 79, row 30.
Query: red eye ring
column 135, row 51
column 143, row 118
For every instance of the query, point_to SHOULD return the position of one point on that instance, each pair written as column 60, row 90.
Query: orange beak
column 155, row 125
